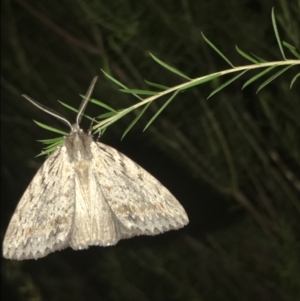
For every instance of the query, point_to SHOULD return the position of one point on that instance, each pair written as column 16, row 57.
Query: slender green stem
column 200, row 80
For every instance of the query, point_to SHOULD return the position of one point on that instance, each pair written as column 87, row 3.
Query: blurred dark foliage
column 232, row 161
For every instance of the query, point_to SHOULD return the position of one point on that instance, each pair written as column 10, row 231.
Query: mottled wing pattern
column 94, row 223
column 139, row 203
column 43, row 218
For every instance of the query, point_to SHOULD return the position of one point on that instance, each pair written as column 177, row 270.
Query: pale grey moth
column 87, row 193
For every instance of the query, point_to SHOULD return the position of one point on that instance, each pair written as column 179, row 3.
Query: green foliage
column 113, row 115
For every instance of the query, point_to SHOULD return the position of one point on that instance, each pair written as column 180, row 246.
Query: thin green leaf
column 136, row 91
column 118, row 83
column 47, row 151
column 254, row 78
column 50, row 141
column 260, row 60
column 151, row 84
column 217, row 50
column 73, row 109
column 277, row 34
column 126, row 111
column 168, row 67
column 292, row 49
column 288, row 45
column 294, row 79
column 226, row 84
column 51, row 148
column 245, row 55
column 161, row 109
column 42, row 153
column 200, row 81
column 273, row 77
column 106, row 115
column 49, row 128
column 114, row 80
column 103, row 105
column 136, row 119
column 68, row 106
column 59, row 142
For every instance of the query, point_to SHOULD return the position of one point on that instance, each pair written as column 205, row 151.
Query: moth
column 87, row 193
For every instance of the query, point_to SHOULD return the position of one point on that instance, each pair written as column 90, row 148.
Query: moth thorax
column 78, row 145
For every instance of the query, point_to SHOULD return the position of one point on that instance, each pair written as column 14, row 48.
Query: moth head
column 76, row 129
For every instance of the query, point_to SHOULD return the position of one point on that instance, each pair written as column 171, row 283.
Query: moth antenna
column 47, row 110
column 91, row 126
column 85, row 100
column 99, row 135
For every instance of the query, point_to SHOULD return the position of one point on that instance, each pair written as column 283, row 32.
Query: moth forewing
column 42, row 221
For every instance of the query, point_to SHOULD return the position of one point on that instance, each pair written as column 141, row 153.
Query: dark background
column 232, row 161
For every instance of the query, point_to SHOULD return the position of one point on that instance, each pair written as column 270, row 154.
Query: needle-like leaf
column 217, row 50
column 168, row 67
